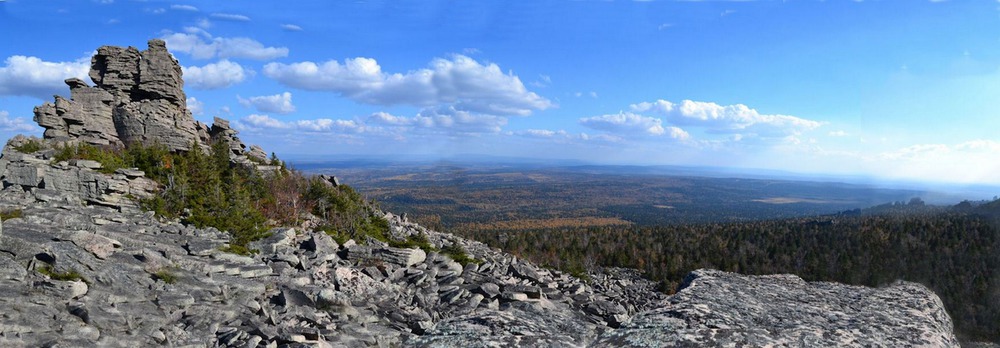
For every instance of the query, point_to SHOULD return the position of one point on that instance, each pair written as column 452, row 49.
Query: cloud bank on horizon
column 816, row 87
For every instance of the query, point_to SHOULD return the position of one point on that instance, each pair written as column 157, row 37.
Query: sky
column 890, row 90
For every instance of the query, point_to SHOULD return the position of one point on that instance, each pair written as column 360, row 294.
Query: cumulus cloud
column 195, row 106
column 230, row 17
column 460, row 82
column 678, row 133
column 441, row 120
column 726, row 118
column 625, row 123
column 325, row 125
column 202, row 45
column 16, row 124
column 291, row 27
column 214, row 76
column 33, row 77
column 278, row 103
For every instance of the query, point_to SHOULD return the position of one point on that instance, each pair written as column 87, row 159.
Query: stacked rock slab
column 138, row 97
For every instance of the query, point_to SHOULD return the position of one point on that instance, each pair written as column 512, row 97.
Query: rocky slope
column 83, row 266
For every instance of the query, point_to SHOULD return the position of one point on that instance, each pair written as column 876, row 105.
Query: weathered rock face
column 78, row 181
column 138, row 98
column 716, row 308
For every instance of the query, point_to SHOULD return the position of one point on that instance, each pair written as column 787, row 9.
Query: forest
column 954, row 251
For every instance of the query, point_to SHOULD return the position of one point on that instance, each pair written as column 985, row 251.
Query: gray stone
column 89, row 164
column 255, row 271
column 258, row 153
column 329, row 180
column 489, row 290
column 525, row 271
column 400, row 256
column 100, row 246
column 280, row 238
column 719, row 308
column 24, row 174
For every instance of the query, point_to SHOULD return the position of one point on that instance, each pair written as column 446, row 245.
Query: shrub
column 238, row 249
column 166, row 276
column 414, row 241
column 29, row 146
column 457, row 253
column 10, row 214
column 71, row 275
column 111, row 158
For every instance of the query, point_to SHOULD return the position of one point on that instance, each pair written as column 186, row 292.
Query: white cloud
column 727, row 119
column 230, row 17
column 214, row 76
column 204, row 23
column 460, row 83
column 625, row 123
column 195, row 106
column 278, row 103
column 291, row 27
column 838, row 133
column 256, row 122
column 202, row 45
column 31, row 76
column 607, row 138
column 16, row 124
column 184, row 8
column 541, row 133
column 967, row 162
column 678, row 133
column 441, row 120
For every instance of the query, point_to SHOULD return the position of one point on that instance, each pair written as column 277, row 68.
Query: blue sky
column 891, row 90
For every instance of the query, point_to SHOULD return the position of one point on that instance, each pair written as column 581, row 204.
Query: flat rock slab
column 716, row 308
column 101, row 246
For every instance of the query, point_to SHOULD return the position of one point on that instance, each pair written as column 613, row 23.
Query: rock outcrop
column 77, row 181
column 138, row 98
column 716, row 308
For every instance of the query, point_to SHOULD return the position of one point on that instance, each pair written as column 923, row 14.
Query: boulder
column 400, row 256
